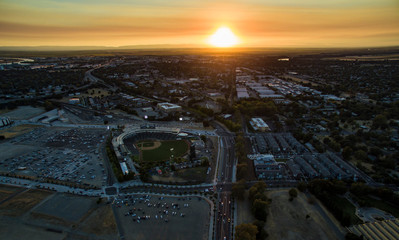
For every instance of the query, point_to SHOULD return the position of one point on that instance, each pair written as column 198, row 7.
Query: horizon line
column 169, row 47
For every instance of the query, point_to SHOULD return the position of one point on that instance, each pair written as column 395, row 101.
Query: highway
column 94, row 79
column 224, row 217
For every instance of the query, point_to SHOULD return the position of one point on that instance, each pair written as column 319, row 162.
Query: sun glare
column 223, row 37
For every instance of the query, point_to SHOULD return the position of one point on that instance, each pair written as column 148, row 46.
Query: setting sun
column 223, row 37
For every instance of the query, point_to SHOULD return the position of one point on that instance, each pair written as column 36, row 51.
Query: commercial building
column 259, row 125
column 241, row 95
column 74, row 101
column 125, row 171
column 266, row 167
column 169, row 107
column 241, row 92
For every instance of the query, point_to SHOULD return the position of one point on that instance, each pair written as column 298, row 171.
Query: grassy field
column 22, row 112
column 244, row 214
column 100, row 222
column 23, row 202
column 146, row 144
column 7, row 191
column 69, row 208
column 288, row 219
column 42, row 215
column 17, row 130
column 92, row 92
column 347, row 208
column 163, row 152
column 192, row 174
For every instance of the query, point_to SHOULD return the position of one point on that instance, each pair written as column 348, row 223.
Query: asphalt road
column 224, row 180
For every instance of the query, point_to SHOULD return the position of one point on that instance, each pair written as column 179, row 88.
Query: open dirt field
column 66, row 207
column 194, row 225
column 43, row 215
column 7, row 191
column 9, row 150
column 17, row 130
column 23, row 113
column 92, row 92
column 23, row 202
column 244, row 214
column 17, row 230
column 287, row 220
column 100, row 222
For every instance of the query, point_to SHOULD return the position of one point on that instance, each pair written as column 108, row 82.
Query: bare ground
column 19, row 219
column 17, row 130
column 23, row 202
column 244, row 214
column 100, row 222
column 287, row 220
column 16, row 230
column 9, row 150
column 23, row 113
column 7, row 191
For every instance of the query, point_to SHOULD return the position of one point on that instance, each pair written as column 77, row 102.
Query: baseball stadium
column 152, row 147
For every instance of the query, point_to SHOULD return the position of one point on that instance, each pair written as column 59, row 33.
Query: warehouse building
column 169, row 107
column 259, row 125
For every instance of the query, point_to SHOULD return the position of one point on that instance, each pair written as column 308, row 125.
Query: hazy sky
column 260, row 23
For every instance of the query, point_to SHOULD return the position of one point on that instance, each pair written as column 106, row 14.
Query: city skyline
column 269, row 23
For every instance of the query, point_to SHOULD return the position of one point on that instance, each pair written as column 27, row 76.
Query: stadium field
column 164, row 152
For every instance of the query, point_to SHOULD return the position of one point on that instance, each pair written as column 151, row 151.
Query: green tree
column 293, row 193
column 380, row 121
column 351, row 236
column 262, row 234
column 245, row 231
column 302, row 186
column 361, row 155
column 48, row 105
column 258, row 187
column 238, row 189
column 360, row 189
column 347, row 152
column 242, row 170
column 259, row 208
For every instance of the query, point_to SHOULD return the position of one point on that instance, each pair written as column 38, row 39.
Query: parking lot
column 156, row 217
column 77, row 138
column 70, row 155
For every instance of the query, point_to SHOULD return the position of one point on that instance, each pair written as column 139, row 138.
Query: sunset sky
column 257, row 23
